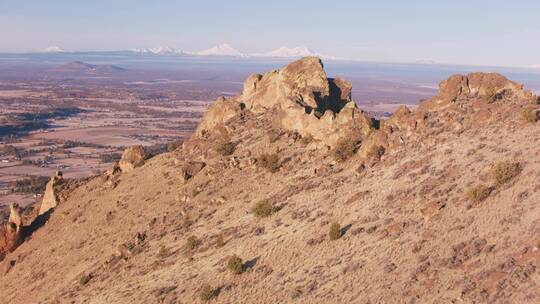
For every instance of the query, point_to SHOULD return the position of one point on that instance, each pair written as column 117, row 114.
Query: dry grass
column 335, row 231
column 506, row 171
column 344, row 149
column 193, row 242
column 269, row 161
column 234, row 264
column 530, row 115
column 479, row 193
column 225, row 148
column 263, row 208
column 207, row 293
column 219, row 241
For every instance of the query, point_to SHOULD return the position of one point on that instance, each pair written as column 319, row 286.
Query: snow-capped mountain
column 53, row 49
column 160, row 50
column 227, row 50
column 299, row 51
column 220, row 50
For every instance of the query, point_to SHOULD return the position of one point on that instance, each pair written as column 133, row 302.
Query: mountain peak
column 223, row 49
column 54, row 49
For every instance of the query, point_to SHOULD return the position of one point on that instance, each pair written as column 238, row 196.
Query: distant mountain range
column 79, row 67
column 221, row 50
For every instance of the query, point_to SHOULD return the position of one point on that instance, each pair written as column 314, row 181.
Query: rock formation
column 132, row 158
column 305, row 99
column 50, row 197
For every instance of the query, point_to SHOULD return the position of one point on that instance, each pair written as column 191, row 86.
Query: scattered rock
column 132, row 158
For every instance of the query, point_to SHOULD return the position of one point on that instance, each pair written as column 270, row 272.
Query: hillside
column 436, row 205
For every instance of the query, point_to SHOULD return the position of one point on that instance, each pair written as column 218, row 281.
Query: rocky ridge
column 423, row 212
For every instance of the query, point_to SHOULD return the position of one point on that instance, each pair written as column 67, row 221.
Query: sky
column 476, row 32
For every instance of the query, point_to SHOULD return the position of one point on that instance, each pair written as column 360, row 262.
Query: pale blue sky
column 479, row 32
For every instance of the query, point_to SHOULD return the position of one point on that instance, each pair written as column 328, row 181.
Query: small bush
column 225, row 148
column 530, row 115
column 173, row 145
column 376, row 152
column 306, row 140
column 207, row 293
column 505, row 171
column 85, row 279
column 164, row 251
column 344, row 149
column 263, row 208
column 193, row 242
column 234, row 264
column 219, row 241
column 273, row 135
column 335, row 231
column 479, row 193
column 269, row 161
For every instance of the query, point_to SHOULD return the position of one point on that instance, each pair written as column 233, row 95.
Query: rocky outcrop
column 132, row 158
column 10, row 234
column 304, row 98
column 490, row 86
column 50, row 197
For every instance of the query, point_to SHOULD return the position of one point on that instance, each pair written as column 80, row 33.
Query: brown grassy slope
column 410, row 235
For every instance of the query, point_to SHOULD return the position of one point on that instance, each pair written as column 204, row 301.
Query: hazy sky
column 493, row 32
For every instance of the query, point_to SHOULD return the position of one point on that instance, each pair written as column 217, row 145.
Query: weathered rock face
column 305, row 99
column 50, row 197
column 132, row 158
column 491, row 86
column 15, row 216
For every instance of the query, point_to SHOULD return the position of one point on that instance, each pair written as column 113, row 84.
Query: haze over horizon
column 461, row 32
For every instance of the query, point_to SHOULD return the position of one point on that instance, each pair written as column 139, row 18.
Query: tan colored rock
column 132, row 158
column 491, row 86
column 50, row 197
column 221, row 111
column 15, row 216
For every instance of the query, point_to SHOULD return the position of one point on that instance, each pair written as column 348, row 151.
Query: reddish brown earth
column 411, row 231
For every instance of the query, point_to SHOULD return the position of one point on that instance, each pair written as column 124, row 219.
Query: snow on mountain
column 54, row 49
column 220, row 50
column 160, row 50
column 299, row 51
column 535, row 66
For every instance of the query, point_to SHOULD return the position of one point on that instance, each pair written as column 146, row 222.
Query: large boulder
column 132, row 158
column 50, row 197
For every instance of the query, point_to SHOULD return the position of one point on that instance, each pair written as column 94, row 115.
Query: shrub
column 234, row 264
column 479, row 193
column 530, row 115
column 269, row 161
column 263, row 208
column 219, row 241
column 505, row 171
column 376, row 152
column 225, row 148
column 193, row 242
column 344, row 149
column 335, row 231
column 207, row 293
column 85, row 278
column 173, row 145
column 163, row 251
column 307, row 139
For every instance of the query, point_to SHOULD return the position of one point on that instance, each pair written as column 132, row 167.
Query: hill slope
column 412, row 231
